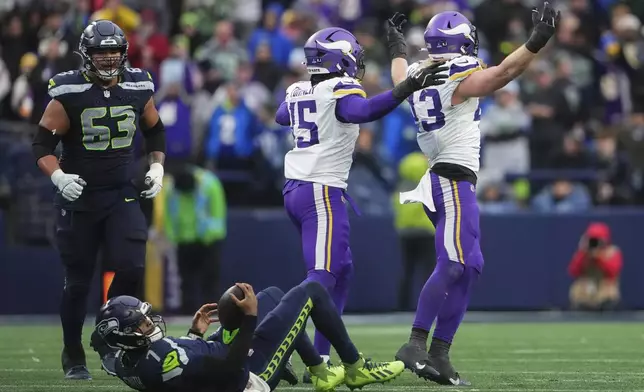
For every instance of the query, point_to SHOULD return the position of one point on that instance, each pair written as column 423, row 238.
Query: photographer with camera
column 595, row 268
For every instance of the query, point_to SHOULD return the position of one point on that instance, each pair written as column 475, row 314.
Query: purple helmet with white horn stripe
column 334, row 50
column 450, row 34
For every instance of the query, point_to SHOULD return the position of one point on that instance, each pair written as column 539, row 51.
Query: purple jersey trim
column 346, row 86
column 456, row 69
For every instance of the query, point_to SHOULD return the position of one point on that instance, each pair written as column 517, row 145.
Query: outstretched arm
column 356, row 109
column 485, row 82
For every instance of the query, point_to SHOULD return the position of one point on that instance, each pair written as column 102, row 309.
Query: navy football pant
column 121, row 233
column 283, row 328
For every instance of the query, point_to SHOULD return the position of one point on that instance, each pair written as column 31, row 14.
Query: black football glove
column 422, row 78
column 395, row 38
column 545, row 24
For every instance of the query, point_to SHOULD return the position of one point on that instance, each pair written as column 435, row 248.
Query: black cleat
column 78, row 372
column 288, row 374
column 446, row 373
column 108, row 363
column 74, row 365
column 416, row 359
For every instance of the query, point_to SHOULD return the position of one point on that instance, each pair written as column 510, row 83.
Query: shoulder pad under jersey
column 70, row 82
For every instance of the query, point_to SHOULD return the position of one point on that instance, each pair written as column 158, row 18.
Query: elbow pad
column 155, row 138
column 44, row 143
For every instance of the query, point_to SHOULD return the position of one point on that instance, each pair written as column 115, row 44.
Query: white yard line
column 551, row 360
column 388, row 387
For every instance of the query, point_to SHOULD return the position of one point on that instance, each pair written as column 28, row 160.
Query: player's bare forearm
column 487, row 81
column 156, row 157
column 513, row 66
column 48, row 164
column 399, row 67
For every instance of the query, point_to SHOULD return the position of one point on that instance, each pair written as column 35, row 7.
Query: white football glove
column 154, row 180
column 70, row 185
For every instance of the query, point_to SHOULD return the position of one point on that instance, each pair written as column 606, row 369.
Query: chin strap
column 156, row 335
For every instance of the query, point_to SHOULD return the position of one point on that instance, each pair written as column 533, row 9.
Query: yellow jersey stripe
column 464, row 74
column 351, row 91
column 329, row 238
column 457, row 202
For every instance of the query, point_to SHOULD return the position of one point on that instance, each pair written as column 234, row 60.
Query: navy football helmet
column 103, row 47
column 126, row 323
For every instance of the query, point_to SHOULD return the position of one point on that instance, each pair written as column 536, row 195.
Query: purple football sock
column 454, row 307
column 433, row 295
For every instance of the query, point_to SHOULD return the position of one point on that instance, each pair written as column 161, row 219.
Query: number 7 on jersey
column 303, row 120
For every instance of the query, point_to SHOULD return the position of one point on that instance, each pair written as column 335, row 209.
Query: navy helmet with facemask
column 98, row 41
column 119, row 322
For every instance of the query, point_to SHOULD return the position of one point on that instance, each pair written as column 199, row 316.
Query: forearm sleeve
column 354, row 109
column 155, row 138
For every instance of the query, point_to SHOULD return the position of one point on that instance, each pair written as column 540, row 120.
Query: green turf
column 495, row 357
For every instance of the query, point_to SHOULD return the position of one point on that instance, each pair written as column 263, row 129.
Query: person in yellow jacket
column 415, row 231
column 125, row 17
column 195, row 222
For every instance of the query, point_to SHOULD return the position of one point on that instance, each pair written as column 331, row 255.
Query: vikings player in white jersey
column 448, row 134
column 324, row 114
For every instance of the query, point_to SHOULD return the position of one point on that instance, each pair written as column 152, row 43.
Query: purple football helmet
column 449, row 34
column 334, row 50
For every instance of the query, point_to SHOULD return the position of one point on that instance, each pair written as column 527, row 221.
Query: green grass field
column 602, row 357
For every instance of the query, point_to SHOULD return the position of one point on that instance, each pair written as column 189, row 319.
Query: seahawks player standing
column 95, row 113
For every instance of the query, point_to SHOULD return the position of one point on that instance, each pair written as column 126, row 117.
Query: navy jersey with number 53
column 99, row 145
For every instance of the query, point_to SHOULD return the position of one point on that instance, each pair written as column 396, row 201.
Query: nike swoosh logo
column 419, row 366
column 129, row 200
column 455, row 382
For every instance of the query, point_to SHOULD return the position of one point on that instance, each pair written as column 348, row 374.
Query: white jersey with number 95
column 448, row 133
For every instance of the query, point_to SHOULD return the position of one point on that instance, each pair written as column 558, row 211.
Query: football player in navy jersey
column 251, row 360
column 95, row 112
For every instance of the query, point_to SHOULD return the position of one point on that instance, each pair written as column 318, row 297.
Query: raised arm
column 485, row 82
column 397, row 48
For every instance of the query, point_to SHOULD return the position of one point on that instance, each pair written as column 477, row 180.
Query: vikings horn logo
column 342, row 45
column 463, row 28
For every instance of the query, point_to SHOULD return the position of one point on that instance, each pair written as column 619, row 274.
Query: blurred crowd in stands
column 567, row 136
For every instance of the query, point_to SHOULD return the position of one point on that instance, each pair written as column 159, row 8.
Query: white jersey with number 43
column 324, row 146
column 448, row 133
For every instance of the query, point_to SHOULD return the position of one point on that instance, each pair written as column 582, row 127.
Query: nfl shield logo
column 106, row 93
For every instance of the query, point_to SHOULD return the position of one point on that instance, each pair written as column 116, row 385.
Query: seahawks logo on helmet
column 106, row 327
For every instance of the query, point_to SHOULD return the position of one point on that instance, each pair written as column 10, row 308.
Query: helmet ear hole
column 345, row 62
